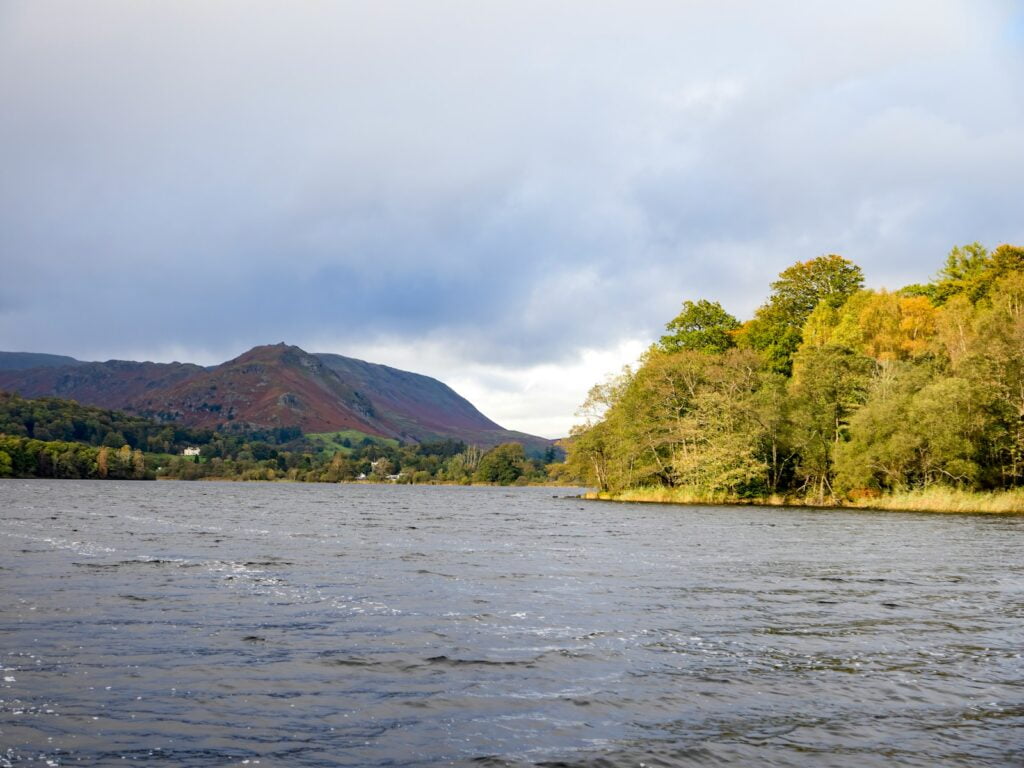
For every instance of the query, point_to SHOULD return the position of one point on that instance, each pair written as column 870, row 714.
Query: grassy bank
column 946, row 500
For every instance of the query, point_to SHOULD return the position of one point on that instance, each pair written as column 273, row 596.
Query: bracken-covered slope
column 276, row 386
column 269, row 386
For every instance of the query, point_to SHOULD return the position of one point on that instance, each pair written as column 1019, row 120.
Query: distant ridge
column 267, row 387
column 115, row 384
column 20, row 361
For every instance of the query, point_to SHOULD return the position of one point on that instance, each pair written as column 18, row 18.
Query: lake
column 212, row 624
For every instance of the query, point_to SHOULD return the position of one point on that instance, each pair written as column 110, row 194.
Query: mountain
column 269, row 386
column 274, row 386
column 20, row 361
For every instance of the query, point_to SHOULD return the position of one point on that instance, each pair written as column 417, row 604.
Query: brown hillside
column 269, row 386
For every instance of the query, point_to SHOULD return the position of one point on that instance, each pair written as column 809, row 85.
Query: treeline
column 52, row 419
column 447, row 461
column 27, row 457
column 830, row 392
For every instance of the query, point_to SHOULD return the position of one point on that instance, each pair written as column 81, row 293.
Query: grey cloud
column 518, row 179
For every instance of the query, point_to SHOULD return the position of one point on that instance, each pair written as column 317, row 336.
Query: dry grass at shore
column 948, row 500
column 944, row 500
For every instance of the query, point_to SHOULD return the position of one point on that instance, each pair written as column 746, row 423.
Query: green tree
column 993, row 361
column 588, row 455
column 114, row 440
column 710, row 422
column 917, row 429
column 770, row 412
column 723, row 435
column 503, row 464
column 703, row 326
column 880, row 454
column 829, row 384
column 962, row 274
column 777, row 326
column 972, row 272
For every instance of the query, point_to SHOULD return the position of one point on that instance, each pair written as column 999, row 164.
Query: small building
column 190, row 451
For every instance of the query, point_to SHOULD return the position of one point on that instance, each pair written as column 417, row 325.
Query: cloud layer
column 518, row 187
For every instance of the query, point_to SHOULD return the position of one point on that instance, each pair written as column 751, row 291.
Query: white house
column 190, row 451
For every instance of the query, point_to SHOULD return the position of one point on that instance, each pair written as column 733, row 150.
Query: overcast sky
column 511, row 196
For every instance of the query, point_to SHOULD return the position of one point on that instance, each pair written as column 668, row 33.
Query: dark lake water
column 211, row 624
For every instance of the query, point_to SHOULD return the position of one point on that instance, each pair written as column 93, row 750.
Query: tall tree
column 972, row 272
column 829, row 384
column 703, row 326
column 777, row 326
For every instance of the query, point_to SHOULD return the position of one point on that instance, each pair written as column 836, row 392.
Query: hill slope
column 275, row 386
column 422, row 408
column 269, row 386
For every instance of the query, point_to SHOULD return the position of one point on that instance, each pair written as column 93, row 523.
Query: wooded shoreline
column 832, row 395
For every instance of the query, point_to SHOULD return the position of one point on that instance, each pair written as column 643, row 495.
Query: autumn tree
column 884, row 326
column 102, row 462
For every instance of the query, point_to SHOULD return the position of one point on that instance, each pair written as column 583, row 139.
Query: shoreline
column 932, row 501
column 447, row 484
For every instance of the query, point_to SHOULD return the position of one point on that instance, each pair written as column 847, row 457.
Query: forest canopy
column 831, row 391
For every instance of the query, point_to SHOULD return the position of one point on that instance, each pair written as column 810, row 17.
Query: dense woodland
column 831, row 392
column 54, row 419
column 50, row 437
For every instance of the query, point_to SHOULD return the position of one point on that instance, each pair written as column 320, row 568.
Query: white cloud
column 538, row 399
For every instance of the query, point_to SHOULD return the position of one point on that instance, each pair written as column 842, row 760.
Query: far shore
column 163, row 478
column 934, row 500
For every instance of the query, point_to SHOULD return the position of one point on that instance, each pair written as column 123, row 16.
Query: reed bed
column 942, row 500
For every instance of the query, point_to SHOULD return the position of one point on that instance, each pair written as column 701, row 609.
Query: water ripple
column 243, row 624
